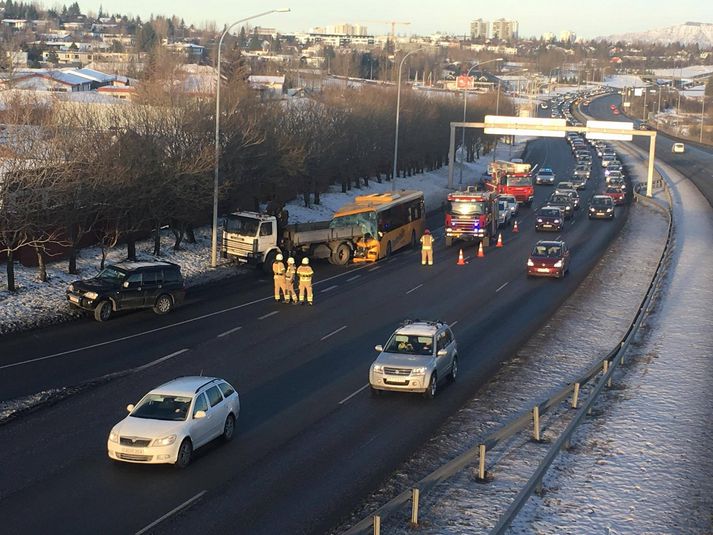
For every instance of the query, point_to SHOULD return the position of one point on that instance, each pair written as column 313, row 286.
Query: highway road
column 311, row 442
column 696, row 163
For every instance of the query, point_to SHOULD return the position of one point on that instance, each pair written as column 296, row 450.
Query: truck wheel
column 341, row 255
column 449, row 241
column 269, row 260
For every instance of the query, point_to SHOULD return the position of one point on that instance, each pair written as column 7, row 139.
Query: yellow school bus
column 395, row 219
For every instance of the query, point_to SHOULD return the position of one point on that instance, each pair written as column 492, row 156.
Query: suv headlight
column 558, row 264
column 378, row 368
column 421, row 370
column 610, row 209
column 539, row 220
column 557, row 221
column 71, row 288
column 113, row 436
column 91, row 295
column 163, row 441
column 530, row 262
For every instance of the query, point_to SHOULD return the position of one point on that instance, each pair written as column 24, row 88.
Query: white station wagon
column 173, row 420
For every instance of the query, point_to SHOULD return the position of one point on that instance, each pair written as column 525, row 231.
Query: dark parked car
column 548, row 259
column 549, row 218
column 128, row 286
column 564, row 202
column 601, row 207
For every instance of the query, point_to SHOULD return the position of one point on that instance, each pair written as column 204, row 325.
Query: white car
column 545, row 176
column 504, row 214
column 173, row 420
column 679, row 148
column 512, row 203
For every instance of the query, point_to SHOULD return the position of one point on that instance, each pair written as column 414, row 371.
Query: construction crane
column 393, row 25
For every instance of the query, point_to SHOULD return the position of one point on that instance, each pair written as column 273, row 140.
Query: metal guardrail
column 605, row 365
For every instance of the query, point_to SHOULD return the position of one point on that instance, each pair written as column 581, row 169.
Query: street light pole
column 398, row 105
column 703, row 107
column 465, row 107
column 216, row 169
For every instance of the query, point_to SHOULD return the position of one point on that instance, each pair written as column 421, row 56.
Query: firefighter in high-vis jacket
column 304, row 272
column 371, row 247
column 291, row 295
column 278, row 271
column 427, row 248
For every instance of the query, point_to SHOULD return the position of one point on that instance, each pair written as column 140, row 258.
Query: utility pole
column 703, row 107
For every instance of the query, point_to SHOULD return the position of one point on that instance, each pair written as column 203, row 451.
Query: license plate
column 543, row 270
column 547, row 225
column 74, row 299
column 135, row 451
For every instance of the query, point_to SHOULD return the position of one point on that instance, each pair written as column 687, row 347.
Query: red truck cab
column 471, row 215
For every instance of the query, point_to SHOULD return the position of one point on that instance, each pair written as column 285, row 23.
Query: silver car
column 418, row 356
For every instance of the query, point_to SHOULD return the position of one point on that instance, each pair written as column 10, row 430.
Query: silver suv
column 417, row 356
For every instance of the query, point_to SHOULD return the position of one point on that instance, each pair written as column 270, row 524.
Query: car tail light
column 449, row 220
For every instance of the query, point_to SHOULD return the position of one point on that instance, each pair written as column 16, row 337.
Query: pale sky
column 588, row 19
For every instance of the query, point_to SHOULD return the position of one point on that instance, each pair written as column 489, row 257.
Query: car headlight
column 421, row 370
column 530, row 263
column 539, row 220
column 558, row 264
column 610, row 209
column 163, row 441
column 91, row 295
column 113, row 436
column 378, row 368
column 592, row 209
column 557, row 221
column 71, row 287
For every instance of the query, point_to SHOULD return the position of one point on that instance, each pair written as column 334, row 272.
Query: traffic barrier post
column 536, row 423
column 481, row 462
column 377, row 525
column 606, row 369
column 414, row 507
column 575, row 395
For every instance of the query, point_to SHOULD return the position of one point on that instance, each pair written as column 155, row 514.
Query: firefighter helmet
column 279, row 258
column 426, row 231
column 305, row 261
column 290, row 260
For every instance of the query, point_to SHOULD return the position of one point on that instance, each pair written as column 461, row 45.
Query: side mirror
column 199, row 415
column 442, row 353
column 126, row 284
column 130, row 407
column 379, row 348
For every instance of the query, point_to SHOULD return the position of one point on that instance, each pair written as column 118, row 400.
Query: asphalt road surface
column 311, row 442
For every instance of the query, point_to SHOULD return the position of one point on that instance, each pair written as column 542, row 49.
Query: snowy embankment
column 584, row 328
column 36, row 304
column 620, row 81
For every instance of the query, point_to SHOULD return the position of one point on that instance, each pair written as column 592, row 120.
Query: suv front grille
column 398, row 371
column 134, row 442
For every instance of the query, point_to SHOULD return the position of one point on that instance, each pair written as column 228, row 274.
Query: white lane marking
column 332, row 333
column 350, row 396
column 414, row 289
column 453, row 324
column 130, row 336
column 158, row 361
column 355, row 277
column 374, row 268
column 230, row 331
column 330, row 288
column 503, row 286
column 269, row 314
column 173, row 511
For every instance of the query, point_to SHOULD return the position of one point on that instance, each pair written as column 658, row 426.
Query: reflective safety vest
column 290, row 273
column 305, row 273
column 427, row 242
column 278, row 268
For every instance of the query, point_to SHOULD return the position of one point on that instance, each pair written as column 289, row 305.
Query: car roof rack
column 436, row 323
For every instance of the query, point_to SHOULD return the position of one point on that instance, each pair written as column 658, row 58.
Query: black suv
column 128, row 286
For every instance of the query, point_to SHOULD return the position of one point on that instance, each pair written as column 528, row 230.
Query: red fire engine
column 471, row 215
column 512, row 179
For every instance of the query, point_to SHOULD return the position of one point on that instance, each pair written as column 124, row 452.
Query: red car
column 548, row 259
column 616, row 194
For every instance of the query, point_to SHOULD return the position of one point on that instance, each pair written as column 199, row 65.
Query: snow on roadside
column 581, row 330
column 37, row 304
column 624, row 80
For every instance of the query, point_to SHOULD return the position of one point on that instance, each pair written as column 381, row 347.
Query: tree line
column 77, row 173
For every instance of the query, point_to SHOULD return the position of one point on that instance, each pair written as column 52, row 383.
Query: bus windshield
column 247, row 226
column 366, row 221
column 520, row 180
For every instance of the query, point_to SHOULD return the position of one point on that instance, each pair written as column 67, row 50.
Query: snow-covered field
column 624, row 80
column 585, row 327
column 36, row 303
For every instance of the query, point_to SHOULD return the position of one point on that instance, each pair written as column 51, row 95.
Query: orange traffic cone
column 500, row 240
column 514, row 227
column 461, row 261
column 481, row 253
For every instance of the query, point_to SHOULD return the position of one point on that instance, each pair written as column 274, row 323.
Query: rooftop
column 184, row 386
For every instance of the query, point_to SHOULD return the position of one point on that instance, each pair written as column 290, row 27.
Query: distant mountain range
column 688, row 33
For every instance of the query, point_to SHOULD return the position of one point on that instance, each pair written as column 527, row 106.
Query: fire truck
column 471, row 215
column 513, row 179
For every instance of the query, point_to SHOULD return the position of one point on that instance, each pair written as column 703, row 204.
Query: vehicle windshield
column 366, row 221
column 547, row 251
column 466, row 207
column 111, row 274
column 162, row 407
column 599, row 201
column 519, row 181
column 410, row 344
column 549, row 212
column 559, row 199
column 613, row 190
column 502, row 205
column 546, row 172
column 246, row 226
